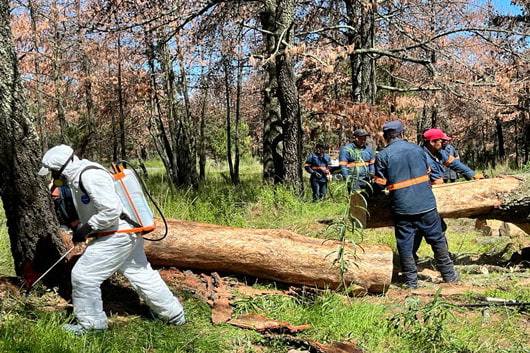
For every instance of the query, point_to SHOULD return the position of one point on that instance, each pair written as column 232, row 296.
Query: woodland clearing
column 491, row 266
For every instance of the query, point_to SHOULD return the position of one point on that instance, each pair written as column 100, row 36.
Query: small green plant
column 349, row 227
column 425, row 325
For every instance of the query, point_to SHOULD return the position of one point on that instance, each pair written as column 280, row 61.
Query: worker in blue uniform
column 356, row 161
column 402, row 168
column 439, row 160
column 317, row 165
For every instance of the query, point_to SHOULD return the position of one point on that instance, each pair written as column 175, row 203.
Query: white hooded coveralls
column 123, row 252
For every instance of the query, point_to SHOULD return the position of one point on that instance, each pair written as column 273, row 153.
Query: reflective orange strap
column 449, row 160
column 142, row 230
column 343, row 163
column 409, row 182
column 380, row 181
column 307, row 165
column 359, row 164
column 322, row 168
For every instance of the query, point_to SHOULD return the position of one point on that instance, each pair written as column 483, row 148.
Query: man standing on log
column 356, row 161
column 402, row 168
column 115, row 247
column 317, row 165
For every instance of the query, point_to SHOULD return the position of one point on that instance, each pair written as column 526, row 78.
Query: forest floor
column 488, row 310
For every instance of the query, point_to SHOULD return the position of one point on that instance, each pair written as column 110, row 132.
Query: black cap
column 361, row 133
column 393, row 127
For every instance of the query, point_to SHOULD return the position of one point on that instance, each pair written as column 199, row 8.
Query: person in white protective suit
column 99, row 211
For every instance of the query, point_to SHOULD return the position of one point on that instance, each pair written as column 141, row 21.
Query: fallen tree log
column 505, row 198
column 271, row 254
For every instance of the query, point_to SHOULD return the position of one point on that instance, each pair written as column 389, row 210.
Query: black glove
column 81, row 233
column 317, row 175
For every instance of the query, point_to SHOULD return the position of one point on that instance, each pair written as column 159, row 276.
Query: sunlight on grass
column 27, row 326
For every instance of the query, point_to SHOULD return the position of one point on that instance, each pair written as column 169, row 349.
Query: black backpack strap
column 81, row 186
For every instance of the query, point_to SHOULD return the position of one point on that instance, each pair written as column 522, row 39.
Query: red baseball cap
column 435, row 134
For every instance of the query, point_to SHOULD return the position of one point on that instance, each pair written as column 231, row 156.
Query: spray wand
column 48, row 270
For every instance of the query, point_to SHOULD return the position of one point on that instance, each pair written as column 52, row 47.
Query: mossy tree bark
column 35, row 243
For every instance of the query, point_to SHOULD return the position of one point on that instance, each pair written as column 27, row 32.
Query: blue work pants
column 430, row 225
column 319, row 188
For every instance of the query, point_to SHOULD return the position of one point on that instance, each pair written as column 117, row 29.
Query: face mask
column 58, row 177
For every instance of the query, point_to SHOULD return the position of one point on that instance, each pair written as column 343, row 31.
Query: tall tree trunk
column 121, row 103
column 35, row 243
column 168, row 79
column 288, row 97
column 86, row 145
column 238, row 118
column 361, row 17
column 165, row 152
column 272, row 125
column 202, row 135
column 114, row 133
column 57, row 75
column 500, row 137
column 40, row 118
column 186, row 151
column 227, row 72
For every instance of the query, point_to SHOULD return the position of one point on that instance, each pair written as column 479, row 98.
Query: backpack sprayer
column 130, row 188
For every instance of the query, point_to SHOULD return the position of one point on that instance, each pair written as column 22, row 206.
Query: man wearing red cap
column 439, row 159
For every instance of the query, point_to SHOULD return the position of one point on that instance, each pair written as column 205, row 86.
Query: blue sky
column 505, row 6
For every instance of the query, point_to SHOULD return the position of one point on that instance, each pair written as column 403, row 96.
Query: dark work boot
column 409, row 271
column 444, row 262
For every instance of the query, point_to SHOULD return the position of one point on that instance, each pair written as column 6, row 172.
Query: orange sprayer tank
column 132, row 197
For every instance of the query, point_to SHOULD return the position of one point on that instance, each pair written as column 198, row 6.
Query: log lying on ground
column 504, row 198
column 271, row 254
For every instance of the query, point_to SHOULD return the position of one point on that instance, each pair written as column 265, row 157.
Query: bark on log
column 270, row 253
column 505, row 198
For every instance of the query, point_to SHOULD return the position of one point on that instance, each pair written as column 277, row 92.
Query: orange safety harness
column 357, row 164
column 404, row 183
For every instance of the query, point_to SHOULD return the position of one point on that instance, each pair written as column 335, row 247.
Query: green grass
column 27, row 328
column 250, row 204
column 6, row 260
column 28, row 324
